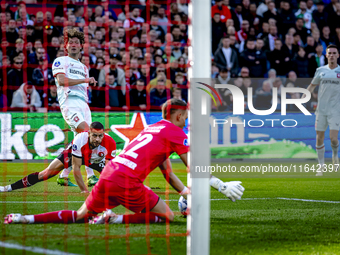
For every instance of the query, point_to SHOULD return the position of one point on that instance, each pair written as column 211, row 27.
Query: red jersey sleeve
column 110, row 147
column 179, row 142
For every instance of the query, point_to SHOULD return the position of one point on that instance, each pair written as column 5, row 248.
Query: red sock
column 141, row 218
column 56, row 217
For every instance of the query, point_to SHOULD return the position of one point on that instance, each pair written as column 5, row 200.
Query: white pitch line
column 173, row 200
column 33, row 249
column 309, row 200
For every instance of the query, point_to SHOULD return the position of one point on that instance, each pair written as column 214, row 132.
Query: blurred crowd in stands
column 138, row 53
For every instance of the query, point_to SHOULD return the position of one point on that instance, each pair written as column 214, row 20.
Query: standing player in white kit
column 72, row 80
column 328, row 109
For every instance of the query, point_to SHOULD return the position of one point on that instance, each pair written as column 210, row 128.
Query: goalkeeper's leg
column 52, row 170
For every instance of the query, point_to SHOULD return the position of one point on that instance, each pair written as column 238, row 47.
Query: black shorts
column 66, row 158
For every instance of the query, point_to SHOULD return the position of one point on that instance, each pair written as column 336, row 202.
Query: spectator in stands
column 11, row 33
column 226, row 57
column 262, row 8
column 236, row 15
column 177, row 34
column 271, row 13
column 30, row 34
column 254, row 60
column 160, row 72
column 318, row 59
column 218, row 31
column 269, row 41
column 244, row 73
column 301, row 64
column 154, row 26
column 134, row 22
column 39, row 53
column 79, row 14
column 41, row 74
column 288, row 48
column 112, row 68
column 242, row 34
column 116, row 98
column 16, row 74
column 310, row 46
column 53, row 49
column 326, row 36
column 302, row 31
column 278, row 60
column 287, row 17
column 223, row 77
column 26, row 97
column 19, row 46
column 162, row 19
column 319, row 15
column 304, row 14
column 222, row 10
column 177, row 93
column 138, row 95
column 292, row 77
column 159, row 94
column 263, row 96
column 94, row 72
column 52, row 98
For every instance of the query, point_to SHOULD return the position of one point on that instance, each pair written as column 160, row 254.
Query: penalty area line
column 33, row 249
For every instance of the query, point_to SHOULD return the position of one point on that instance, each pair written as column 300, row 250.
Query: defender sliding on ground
column 93, row 148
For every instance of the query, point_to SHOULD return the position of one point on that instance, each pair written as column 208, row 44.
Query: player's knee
column 334, row 140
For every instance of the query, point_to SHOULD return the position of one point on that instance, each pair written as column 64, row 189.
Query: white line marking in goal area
column 33, row 249
column 173, row 200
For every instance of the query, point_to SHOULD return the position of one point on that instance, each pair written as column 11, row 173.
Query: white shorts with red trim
column 76, row 111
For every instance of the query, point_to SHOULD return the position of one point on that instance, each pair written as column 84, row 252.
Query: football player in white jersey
column 72, row 80
column 328, row 109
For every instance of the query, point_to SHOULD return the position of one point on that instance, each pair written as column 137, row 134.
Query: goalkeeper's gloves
column 233, row 190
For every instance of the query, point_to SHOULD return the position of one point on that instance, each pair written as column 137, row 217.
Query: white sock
column 119, row 220
column 321, row 154
column 89, row 171
column 8, row 188
column 335, row 149
column 66, row 172
column 215, row 182
column 30, row 218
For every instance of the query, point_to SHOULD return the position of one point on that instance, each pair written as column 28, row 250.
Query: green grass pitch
column 261, row 223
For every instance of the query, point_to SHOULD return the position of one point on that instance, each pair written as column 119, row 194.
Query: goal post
column 198, row 222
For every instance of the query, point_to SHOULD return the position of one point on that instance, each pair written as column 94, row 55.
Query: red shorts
column 108, row 194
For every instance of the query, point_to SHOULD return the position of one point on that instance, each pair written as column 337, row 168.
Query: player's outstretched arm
column 310, row 88
column 172, row 179
column 76, row 164
column 64, row 81
column 232, row 190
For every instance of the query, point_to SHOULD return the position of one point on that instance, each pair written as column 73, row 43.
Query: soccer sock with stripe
column 27, row 181
column 89, row 171
column 320, row 150
column 65, row 216
column 335, row 149
column 66, row 172
column 138, row 218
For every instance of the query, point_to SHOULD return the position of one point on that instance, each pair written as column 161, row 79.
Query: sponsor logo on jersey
column 67, row 159
column 322, row 74
column 57, row 64
column 76, row 119
column 72, row 71
column 185, row 142
column 338, row 75
column 74, row 147
column 101, row 154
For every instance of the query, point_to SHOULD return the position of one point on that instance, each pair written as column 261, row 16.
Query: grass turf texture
column 268, row 226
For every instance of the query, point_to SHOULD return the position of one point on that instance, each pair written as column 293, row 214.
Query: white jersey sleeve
column 58, row 66
column 79, row 141
column 317, row 77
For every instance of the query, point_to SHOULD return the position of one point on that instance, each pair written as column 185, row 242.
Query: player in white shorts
column 72, row 79
column 328, row 109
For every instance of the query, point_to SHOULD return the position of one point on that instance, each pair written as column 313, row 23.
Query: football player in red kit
column 121, row 181
column 93, row 148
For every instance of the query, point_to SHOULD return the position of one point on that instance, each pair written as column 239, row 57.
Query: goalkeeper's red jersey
column 148, row 150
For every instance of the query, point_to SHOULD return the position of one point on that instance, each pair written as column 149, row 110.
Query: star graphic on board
column 130, row 131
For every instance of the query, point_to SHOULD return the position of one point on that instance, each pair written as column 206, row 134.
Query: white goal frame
column 198, row 222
